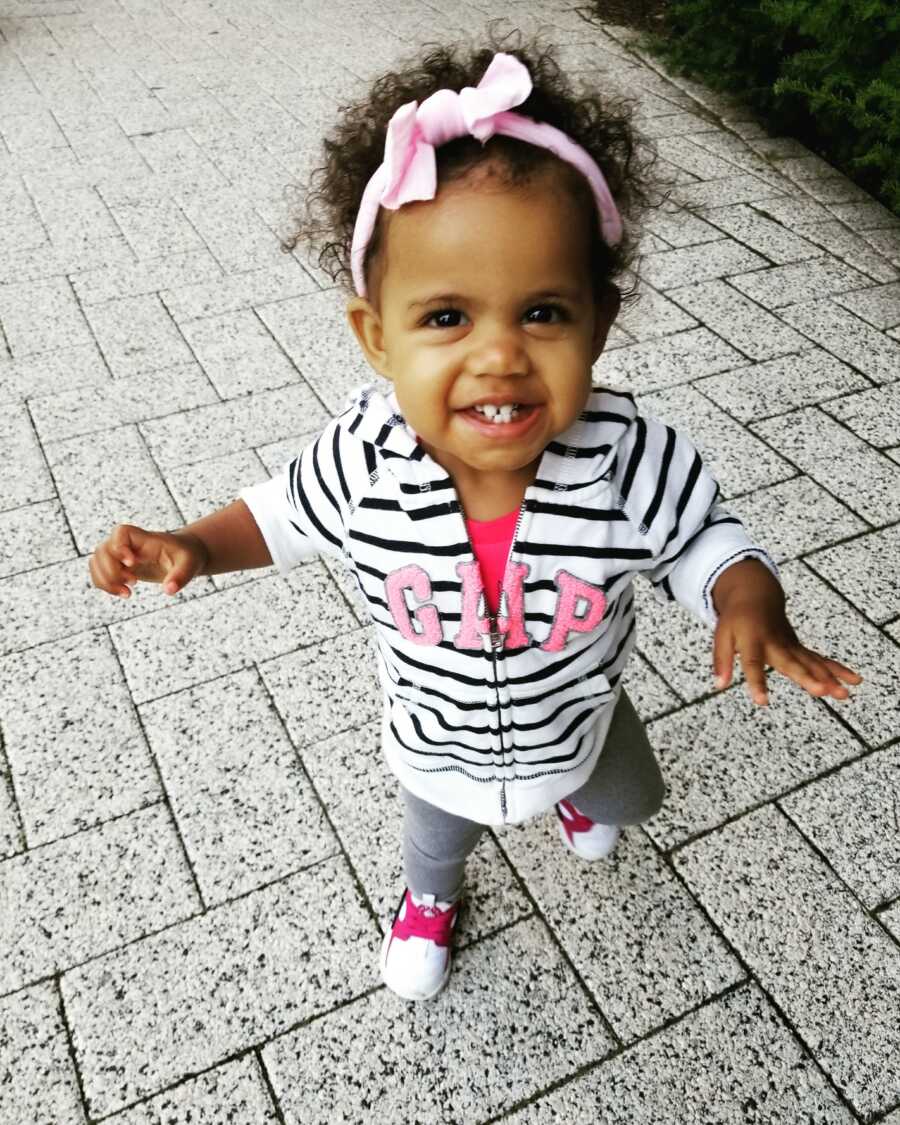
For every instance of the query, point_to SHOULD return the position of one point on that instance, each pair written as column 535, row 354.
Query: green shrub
column 826, row 71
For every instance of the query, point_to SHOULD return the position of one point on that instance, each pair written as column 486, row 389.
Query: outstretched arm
column 752, row 623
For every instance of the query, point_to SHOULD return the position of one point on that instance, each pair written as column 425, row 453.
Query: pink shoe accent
column 426, row 922
column 574, row 821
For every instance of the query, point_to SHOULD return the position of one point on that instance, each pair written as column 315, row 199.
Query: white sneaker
column 415, row 954
column 583, row 836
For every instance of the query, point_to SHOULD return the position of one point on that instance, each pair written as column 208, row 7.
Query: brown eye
column 545, row 314
column 444, row 318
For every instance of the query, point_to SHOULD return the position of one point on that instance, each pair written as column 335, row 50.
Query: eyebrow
column 562, row 294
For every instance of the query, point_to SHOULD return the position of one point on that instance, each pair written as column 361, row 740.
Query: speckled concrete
column 199, row 838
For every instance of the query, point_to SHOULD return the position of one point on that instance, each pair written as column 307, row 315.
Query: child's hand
column 752, row 623
column 131, row 554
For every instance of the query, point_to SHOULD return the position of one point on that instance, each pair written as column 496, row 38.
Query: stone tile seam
column 782, row 1014
column 167, row 801
column 269, row 1086
column 633, row 1044
column 11, row 782
column 702, row 834
column 869, row 912
column 205, row 911
column 653, row 668
column 236, row 1056
column 354, row 874
column 70, row 1045
column 537, row 912
column 57, row 495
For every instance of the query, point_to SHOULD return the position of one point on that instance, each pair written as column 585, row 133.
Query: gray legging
column 626, row 787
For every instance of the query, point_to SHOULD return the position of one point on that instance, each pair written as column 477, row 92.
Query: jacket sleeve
column 301, row 510
column 689, row 536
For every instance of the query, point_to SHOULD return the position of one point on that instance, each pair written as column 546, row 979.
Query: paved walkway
column 200, row 840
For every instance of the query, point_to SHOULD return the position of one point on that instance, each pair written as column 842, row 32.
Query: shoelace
column 426, row 921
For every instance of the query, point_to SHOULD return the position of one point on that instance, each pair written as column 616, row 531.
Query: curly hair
column 355, row 148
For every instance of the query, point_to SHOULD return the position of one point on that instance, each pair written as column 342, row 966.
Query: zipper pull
column 495, row 637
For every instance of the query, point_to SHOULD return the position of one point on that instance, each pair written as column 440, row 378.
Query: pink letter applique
column 414, row 578
column 512, row 626
column 566, row 621
column 471, row 626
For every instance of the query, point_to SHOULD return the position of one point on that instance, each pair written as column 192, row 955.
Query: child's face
column 485, row 297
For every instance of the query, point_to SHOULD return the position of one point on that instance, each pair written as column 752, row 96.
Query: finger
column 841, row 671
column 178, row 576
column 126, row 542
column 755, row 675
column 723, row 656
column 108, row 575
column 805, row 670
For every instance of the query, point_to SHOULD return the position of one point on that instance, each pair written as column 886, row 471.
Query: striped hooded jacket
column 496, row 719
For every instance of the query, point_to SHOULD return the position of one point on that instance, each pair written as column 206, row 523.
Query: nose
column 498, row 349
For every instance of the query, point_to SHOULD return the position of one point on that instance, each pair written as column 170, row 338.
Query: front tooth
column 489, row 410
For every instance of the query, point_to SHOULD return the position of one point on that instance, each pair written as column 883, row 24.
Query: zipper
column 493, row 644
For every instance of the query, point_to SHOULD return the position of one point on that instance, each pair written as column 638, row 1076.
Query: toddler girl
column 495, row 506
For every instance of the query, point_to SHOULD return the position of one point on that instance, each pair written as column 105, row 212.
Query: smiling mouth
column 508, row 412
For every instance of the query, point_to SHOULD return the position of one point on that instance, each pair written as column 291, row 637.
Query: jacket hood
column 579, row 460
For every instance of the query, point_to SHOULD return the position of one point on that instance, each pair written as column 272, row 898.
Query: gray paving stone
column 801, row 281
column 792, row 211
column 726, row 754
column 654, row 364
column 828, row 965
column 742, row 188
column 40, row 316
column 52, row 372
column 325, row 689
column 108, row 478
column 725, row 1063
column 635, row 937
column 179, row 1002
column 136, row 398
column 234, row 234
column 314, row 332
column 192, row 267
column 647, row 690
column 680, row 227
column 886, row 242
column 68, row 901
column 74, row 764
column 178, row 160
column 40, row 1083
column 12, row 839
column 879, row 306
column 780, row 384
column 653, row 315
column 350, row 774
column 855, row 249
column 675, row 642
column 33, row 536
column 848, row 338
column 873, row 414
column 136, row 334
column 19, row 446
column 692, row 264
column 851, row 817
column 794, row 517
column 234, row 1091
column 238, row 354
column 737, row 460
column 761, row 234
column 683, row 153
column 865, row 216
column 228, row 427
column 834, row 189
column 238, row 291
column 24, row 131
column 866, row 482
column 826, row 623
column 229, row 631
column 244, row 809
column 739, row 321
column 865, row 572
column 155, row 228
column 527, row 998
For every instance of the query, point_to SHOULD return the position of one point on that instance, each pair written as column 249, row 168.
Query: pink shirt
column 491, row 541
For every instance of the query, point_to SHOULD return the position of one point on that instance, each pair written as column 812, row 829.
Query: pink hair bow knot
column 415, row 131
column 409, row 170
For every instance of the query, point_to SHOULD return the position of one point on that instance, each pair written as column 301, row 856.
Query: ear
column 606, row 309
column 366, row 324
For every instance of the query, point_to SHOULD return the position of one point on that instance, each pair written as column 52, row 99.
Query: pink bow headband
column 408, row 172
